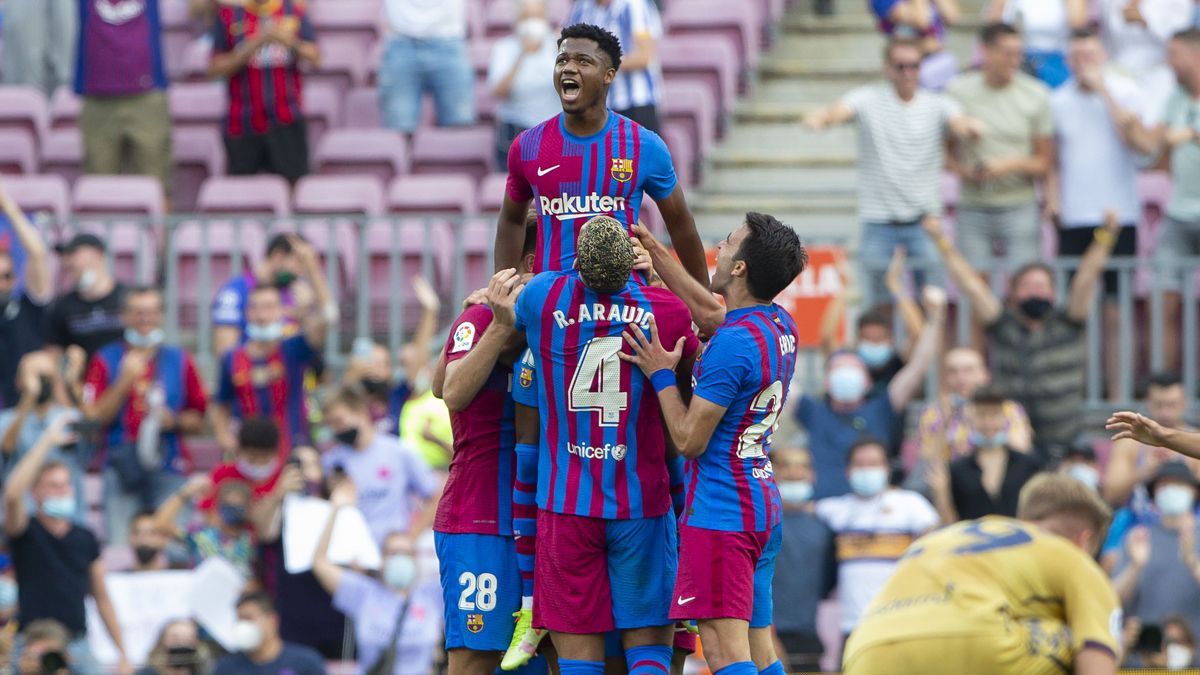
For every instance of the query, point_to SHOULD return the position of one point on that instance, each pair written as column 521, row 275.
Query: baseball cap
column 1176, row 470
column 81, row 240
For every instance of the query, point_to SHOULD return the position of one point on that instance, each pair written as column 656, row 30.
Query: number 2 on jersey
column 769, row 401
column 596, row 385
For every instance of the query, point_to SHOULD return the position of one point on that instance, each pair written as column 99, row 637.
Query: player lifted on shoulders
column 729, row 531
column 1000, row 596
column 606, row 549
column 589, row 161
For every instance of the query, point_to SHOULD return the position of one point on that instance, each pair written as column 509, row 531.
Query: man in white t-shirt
column 873, row 527
column 426, row 51
column 1136, row 33
column 901, row 152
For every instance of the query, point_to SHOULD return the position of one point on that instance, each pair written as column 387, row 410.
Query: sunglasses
column 909, row 66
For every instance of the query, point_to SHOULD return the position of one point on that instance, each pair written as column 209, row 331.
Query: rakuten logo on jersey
column 570, row 207
column 617, row 452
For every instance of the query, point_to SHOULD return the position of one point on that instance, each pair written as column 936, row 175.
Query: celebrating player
column 999, row 595
column 729, row 532
column 589, row 161
column 476, row 551
column 606, row 551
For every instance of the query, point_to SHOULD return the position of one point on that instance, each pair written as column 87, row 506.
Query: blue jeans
column 879, row 242
column 410, row 67
column 120, row 506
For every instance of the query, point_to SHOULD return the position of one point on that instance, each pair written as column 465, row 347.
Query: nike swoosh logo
column 684, row 601
column 543, row 172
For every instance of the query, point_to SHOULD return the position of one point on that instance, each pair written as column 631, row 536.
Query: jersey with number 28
column 746, row 368
column 603, row 445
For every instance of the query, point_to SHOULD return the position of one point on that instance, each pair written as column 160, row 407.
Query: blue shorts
column 481, row 589
column 764, row 576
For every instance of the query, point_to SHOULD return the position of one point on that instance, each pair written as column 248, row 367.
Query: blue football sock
column 773, row 669
column 739, row 668
column 649, row 660
column 573, row 667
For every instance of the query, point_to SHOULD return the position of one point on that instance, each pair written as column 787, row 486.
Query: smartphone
column 1150, row 640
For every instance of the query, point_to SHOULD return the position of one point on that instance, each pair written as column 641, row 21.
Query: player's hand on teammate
column 644, row 237
column 502, row 294
column 1136, row 427
column 649, row 354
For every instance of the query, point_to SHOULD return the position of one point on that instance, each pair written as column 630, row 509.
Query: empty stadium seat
column 736, row 21
column 679, row 142
column 357, row 20
column 322, row 109
column 362, row 109
column 40, row 193
column 485, row 103
column 480, row 53
column 339, row 194
column 198, row 155
column 198, row 103
column 469, row 150
column 133, row 243
column 261, row 194
column 692, row 103
column 194, row 61
column 345, row 63
column 710, row 59
column 65, row 107
column 432, row 193
column 62, row 153
column 491, row 192
column 24, row 107
column 18, row 151
column 377, row 152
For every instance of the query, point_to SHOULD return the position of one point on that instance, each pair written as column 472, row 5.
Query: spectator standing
column 57, row 562
column 265, row 376
column 1130, row 464
column 225, row 532
column 988, row 480
column 1099, row 144
column 1136, row 33
column 1047, row 24
column 1037, row 348
column 807, row 563
column 39, row 43
column 638, row 87
column 997, row 202
column 517, row 76
column 836, row 422
column 259, row 647
column 901, row 150
column 397, row 492
column 873, row 526
column 395, row 617
column 1179, row 128
column 24, row 295
column 89, row 315
column 119, row 73
column 1156, row 572
column 258, row 46
column 926, row 22
column 426, row 51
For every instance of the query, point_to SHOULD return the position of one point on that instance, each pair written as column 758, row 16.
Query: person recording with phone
column 178, row 651
column 45, row 649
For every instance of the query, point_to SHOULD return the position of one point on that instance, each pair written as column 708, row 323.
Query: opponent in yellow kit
column 999, row 596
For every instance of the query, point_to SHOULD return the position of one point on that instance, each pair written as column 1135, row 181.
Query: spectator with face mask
column 1082, row 465
column 57, row 562
column 280, row 268
column 89, row 315
column 145, row 395
column 22, row 425
column 224, row 533
column 178, row 651
column 849, row 411
column 397, row 492
column 1156, row 572
column 46, row 650
column 873, row 526
column 24, row 295
column 1179, row 644
column 258, row 646
column 517, row 76
column 395, row 619
column 989, row 479
column 807, row 564
column 148, row 541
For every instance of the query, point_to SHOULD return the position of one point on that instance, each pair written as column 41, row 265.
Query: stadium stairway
column 767, row 161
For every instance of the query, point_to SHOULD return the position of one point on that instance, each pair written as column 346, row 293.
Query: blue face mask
column 875, row 354
column 8, row 594
column 144, row 341
column 978, row 440
column 59, row 507
column 795, row 491
column 869, row 482
column 264, row 332
column 399, row 571
column 847, row 384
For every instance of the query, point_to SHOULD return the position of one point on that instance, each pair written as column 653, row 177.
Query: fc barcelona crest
column 475, row 622
column 526, row 377
column 622, row 169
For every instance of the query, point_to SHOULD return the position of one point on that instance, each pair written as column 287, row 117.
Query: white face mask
column 533, row 29
column 1178, row 657
column 795, row 491
column 1086, row 474
column 1174, row 500
column 87, row 280
column 247, row 636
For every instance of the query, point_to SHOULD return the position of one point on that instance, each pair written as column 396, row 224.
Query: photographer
column 45, row 651
column 178, row 651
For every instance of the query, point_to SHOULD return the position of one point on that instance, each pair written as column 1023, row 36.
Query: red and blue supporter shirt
column 119, row 51
column 173, row 369
column 746, row 368
column 603, row 445
column 266, row 93
column 271, row 387
column 477, row 497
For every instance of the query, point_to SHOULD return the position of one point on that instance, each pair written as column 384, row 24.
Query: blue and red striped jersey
column 603, row 445
column 746, row 368
column 571, row 179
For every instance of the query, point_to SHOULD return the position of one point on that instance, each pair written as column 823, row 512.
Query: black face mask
column 348, row 437
column 376, row 387
column 284, row 279
column 1036, row 308
column 46, row 389
column 145, row 554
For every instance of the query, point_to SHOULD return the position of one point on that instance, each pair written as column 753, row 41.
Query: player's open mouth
column 570, row 88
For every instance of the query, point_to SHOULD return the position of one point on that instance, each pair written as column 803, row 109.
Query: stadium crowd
column 321, row 492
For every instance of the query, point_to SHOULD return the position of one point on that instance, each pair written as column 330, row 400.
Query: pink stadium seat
column 485, row 103
column 194, row 61
column 40, row 193
column 322, row 109
column 344, row 64
column 480, row 53
column 177, row 32
column 198, row 103
column 498, row 17
column 682, row 149
column 736, row 21
column 1154, row 189
column 17, row 151
column 339, row 194
column 65, row 107
column 362, row 109
column 693, row 104
column 711, row 59
column 24, row 107
column 406, row 240
column 491, row 192
column 198, row 156
column 62, row 153
column 469, row 150
column 358, row 20
column 109, row 197
column 261, row 194
column 432, row 193
column 474, row 246
column 377, row 152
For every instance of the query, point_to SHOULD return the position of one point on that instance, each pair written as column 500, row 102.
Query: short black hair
column 350, row 396
column 876, row 316
column 1188, row 35
column 531, row 232
column 142, row 289
column 143, row 513
column 259, row 433
column 992, row 32
column 773, row 254
column 609, row 44
column 1164, row 379
column 863, row 442
column 1085, row 33
column 259, row 598
column 989, row 394
column 280, row 243
column 1035, row 266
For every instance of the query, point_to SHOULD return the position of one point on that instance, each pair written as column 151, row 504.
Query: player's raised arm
column 707, row 311
column 510, row 233
column 1144, row 430
column 681, row 225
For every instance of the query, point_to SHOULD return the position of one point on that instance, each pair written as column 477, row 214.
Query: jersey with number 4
column 746, row 368
column 603, row 445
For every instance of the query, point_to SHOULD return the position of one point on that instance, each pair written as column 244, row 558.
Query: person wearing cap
column 25, row 290
column 1156, row 572
column 1080, row 464
column 89, row 315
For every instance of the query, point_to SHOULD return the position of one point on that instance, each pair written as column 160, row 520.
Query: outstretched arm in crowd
column 1146, row 431
column 907, row 382
column 985, row 303
column 266, row 513
column 20, row 481
column 166, row 518
column 691, row 426
column 104, row 607
column 1083, row 287
column 37, row 284
column 327, row 573
column 707, row 311
column 430, row 306
column 835, row 312
column 910, row 311
column 317, row 320
column 833, row 115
